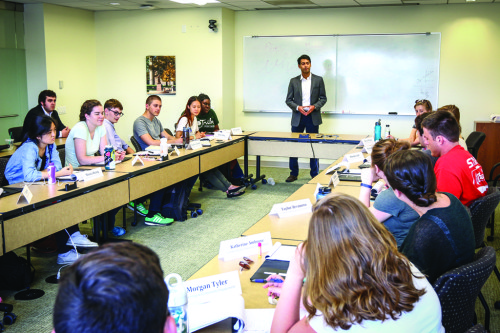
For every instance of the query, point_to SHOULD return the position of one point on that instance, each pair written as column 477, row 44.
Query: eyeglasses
column 245, row 263
column 117, row 114
column 421, row 101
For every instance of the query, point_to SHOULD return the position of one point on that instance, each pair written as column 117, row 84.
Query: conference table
column 60, row 142
column 52, row 209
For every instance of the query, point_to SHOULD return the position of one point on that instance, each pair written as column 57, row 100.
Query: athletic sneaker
column 80, row 240
column 158, row 220
column 68, row 258
column 118, row 231
column 141, row 210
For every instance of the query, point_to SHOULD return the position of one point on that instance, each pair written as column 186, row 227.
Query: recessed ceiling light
column 196, row 2
column 470, row 0
column 114, row 3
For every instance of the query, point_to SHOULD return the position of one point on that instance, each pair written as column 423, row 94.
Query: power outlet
column 61, row 110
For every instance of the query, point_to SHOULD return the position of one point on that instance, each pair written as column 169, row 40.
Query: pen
column 264, row 281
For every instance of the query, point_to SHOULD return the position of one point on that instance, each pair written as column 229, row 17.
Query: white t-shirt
column 183, row 122
column 424, row 318
column 81, row 131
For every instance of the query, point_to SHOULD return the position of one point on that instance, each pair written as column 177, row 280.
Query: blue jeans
column 305, row 123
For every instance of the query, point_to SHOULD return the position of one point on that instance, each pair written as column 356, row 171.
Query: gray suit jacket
column 318, row 98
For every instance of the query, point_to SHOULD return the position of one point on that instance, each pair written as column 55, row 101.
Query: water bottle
column 271, row 181
column 387, row 132
column 177, row 302
column 322, row 192
column 109, row 158
column 51, row 169
column 186, row 136
column 163, row 147
column 378, row 130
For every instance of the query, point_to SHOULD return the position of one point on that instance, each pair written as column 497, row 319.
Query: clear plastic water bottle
column 387, row 132
column 271, row 181
column 51, row 169
column 177, row 302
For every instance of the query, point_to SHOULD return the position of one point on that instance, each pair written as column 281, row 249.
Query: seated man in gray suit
column 306, row 95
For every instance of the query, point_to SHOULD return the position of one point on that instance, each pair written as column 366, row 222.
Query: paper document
column 205, row 314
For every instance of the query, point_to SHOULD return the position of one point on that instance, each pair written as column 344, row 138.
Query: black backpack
column 15, row 272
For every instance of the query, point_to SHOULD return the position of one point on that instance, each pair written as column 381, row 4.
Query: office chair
column 458, row 289
column 474, row 141
column 493, row 181
column 477, row 329
column 16, row 133
column 3, row 165
column 135, row 143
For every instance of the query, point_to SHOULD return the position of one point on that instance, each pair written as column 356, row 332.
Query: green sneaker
column 158, row 220
column 141, row 210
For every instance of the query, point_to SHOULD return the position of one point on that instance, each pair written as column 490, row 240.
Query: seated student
column 214, row 176
column 29, row 163
column 147, row 131
column 420, row 132
column 395, row 214
column 421, row 106
column 454, row 110
column 46, row 106
column 355, row 278
column 117, row 288
column 457, row 171
column 113, row 111
column 87, row 138
column 209, row 123
column 443, row 237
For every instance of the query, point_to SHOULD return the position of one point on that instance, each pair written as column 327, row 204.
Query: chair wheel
column 264, row 181
column 134, row 224
column 199, row 211
column 254, row 187
column 194, row 214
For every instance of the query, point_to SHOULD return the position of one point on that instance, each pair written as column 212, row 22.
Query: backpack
column 176, row 202
column 15, row 272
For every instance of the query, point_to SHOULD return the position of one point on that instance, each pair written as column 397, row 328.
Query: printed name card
column 195, row 144
column 222, row 135
column 137, row 160
column 367, row 142
column 236, row 131
column 292, row 208
column 334, row 180
column 26, row 196
column 211, row 287
column 245, row 246
column 90, row 174
column 354, row 157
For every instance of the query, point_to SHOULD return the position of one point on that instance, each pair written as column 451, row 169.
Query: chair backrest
column 169, row 131
column 474, row 141
column 3, row 165
column 62, row 155
column 135, row 143
column 481, row 210
column 477, row 329
column 16, row 133
column 458, row 289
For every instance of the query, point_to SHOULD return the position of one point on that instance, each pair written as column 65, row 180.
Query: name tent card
column 176, row 152
column 137, row 160
column 354, row 157
column 245, row 246
column 367, row 142
column 90, row 174
column 203, row 289
column 222, row 135
column 292, row 208
column 195, row 144
column 236, row 131
column 334, row 180
column 25, row 196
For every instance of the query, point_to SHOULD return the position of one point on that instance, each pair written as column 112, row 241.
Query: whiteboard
column 363, row 74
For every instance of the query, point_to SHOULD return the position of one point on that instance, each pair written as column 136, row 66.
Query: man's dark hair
column 113, row 104
column 117, row 288
column 304, row 56
column 442, row 123
column 44, row 94
column 419, row 120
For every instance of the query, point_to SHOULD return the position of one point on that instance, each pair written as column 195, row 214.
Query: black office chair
column 16, row 133
column 477, row 329
column 135, row 143
column 169, row 132
column 493, row 181
column 474, row 141
column 62, row 155
column 458, row 289
column 3, row 165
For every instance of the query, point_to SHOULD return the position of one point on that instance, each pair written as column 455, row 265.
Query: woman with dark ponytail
column 443, row 238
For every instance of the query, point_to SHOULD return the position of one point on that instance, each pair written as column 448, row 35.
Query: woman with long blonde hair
column 355, row 278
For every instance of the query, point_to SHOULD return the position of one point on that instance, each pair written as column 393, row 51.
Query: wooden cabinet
column 489, row 153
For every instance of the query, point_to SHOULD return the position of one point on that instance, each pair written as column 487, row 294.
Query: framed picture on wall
column 160, row 75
